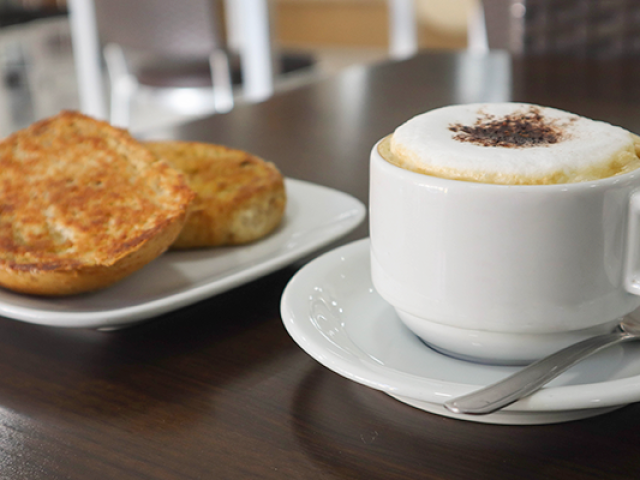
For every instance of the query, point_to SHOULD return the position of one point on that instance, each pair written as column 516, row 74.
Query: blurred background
column 146, row 64
column 318, row 37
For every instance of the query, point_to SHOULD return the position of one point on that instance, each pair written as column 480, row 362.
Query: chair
column 594, row 28
column 163, row 44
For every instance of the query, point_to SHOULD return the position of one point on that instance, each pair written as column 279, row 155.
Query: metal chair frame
column 160, row 31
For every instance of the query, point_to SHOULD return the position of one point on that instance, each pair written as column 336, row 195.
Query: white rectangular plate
column 314, row 217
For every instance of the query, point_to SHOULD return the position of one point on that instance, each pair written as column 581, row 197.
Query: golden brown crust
column 82, row 205
column 239, row 197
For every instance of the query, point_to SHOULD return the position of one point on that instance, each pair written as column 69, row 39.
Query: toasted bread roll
column 239, row 197
column 82, row 205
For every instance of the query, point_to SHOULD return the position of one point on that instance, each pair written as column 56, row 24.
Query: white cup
column 504, row 274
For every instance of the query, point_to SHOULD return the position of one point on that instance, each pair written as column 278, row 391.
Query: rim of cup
column 436, row 181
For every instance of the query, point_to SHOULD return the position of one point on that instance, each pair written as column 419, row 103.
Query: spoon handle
column 531, row 378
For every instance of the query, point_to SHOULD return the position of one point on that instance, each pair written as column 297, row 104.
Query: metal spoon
column 531, row 378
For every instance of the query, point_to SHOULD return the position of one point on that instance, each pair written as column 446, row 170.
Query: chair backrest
column 585, row 28
column 172, row 28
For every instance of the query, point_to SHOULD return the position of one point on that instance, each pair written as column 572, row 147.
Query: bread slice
column 82, row 205
column 239, row 197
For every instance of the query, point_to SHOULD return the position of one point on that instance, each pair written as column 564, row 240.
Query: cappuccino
column 511, row 144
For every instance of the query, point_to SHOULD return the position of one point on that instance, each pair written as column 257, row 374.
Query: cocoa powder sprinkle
column 516, row 130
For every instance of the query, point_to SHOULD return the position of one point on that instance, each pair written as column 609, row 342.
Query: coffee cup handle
column 632, row 257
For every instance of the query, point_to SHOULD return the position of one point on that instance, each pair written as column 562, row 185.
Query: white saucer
column 314, row 216
column 332, row 311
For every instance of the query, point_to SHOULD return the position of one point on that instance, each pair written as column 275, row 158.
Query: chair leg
column 121, row 97
column 123, row 86
column 221, row 78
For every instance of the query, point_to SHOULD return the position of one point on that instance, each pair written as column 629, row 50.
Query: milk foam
column 573, row 149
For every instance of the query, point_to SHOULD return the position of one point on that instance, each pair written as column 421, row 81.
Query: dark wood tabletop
column 218, row 390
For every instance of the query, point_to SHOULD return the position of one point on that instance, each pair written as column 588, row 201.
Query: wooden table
column 218, row 390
